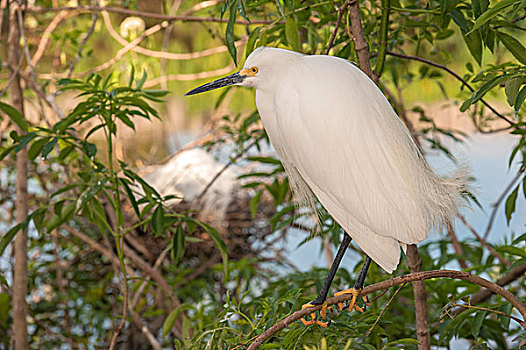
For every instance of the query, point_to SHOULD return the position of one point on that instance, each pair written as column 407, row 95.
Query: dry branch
column 166, row 55
column 418, row 276
column 40, row 9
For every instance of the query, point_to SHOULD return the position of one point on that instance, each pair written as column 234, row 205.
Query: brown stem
column 20, row 246
column 417, row 276
column 341, row 11
column 360, row 44
column 456, row 245
column 419, row 291
column 484, row 243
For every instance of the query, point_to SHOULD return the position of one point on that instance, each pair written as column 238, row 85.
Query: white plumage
column 339, row 139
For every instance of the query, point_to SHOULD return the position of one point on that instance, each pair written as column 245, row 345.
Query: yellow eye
column 254, row 70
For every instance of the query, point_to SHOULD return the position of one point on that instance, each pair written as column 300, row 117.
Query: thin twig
column 469, row 306
column 500, row 199
column 385, row 308
column 78, row 54
column 44, row 40
column 147, row 333
column 167, row 55
column 150, row 31
column 341, row 11
column 484, row 243
column 227, row 165
column 190, row 76
column 418, row 276
column 458, row 77
column 456, row 245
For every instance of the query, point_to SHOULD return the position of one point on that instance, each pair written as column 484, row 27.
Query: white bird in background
column 340, row 140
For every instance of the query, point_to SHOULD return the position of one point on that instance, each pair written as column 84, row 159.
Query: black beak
column 231, row 79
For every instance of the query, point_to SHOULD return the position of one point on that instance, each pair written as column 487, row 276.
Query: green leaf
column 229, row 35
column 474, row 44
column 477, row 324
column 6, row 151
column 15, row 115
column 503, row 320
column 492, row 12
column 519, row 100
column 519, row 146
column 158, row 220
column 291, row 33
column 254, row 201
column 131, row 196
column 513, row 250
column 251, row 41
column 65, row 152
column 178, row 242
column 4, row 282
column 48, row 147
column 36, row 147
column 510, row 204
column 219, row 243
column 8, row 237
column 514, row 46
column 512, row 89
column 59, row 218
column 90, row 149
column 241, row 9
column 38, row 219
column 170, row 321
column 265, row 160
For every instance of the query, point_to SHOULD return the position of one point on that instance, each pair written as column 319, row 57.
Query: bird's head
column 258, row 69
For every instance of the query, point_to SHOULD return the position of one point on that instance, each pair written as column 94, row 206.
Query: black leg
column 322, row 295
column 361, row 279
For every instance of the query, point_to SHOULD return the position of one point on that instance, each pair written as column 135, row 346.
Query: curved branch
column 189, row 76
column 417, row 276
column 150, row 31
column 166, row 55
column 458, row 77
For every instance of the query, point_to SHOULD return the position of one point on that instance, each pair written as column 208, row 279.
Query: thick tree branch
column 418, row 276
column 360, row 44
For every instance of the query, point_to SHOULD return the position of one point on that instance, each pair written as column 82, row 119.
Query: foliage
column 83, row 190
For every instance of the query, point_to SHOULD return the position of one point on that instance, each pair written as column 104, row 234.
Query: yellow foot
column 323, row 314
column 352, row 303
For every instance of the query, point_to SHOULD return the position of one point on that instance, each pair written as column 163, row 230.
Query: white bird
column 340, row 140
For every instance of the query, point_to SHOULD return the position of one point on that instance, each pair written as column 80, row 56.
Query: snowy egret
column 340, row 140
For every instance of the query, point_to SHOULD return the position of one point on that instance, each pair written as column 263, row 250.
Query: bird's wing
column 349, row 146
